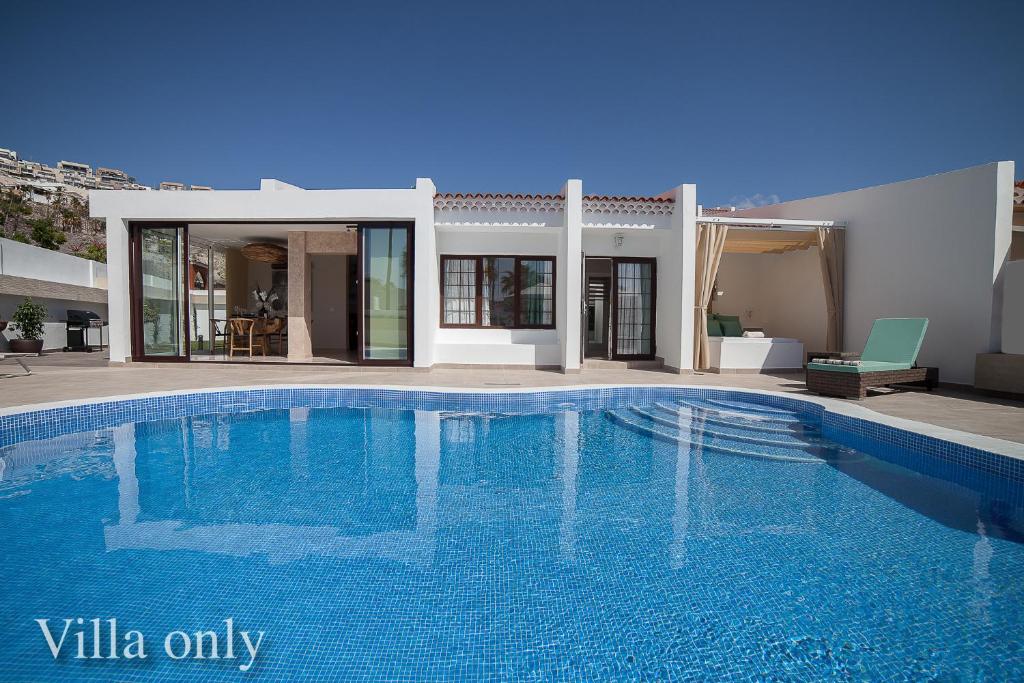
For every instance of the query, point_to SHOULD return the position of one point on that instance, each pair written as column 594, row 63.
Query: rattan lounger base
column 855, row 384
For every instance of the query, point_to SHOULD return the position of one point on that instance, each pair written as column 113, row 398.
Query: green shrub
column 94, row 251
column 28, row 319
column 45, row 235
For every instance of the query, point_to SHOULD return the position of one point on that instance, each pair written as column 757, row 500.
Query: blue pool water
column 698, row 539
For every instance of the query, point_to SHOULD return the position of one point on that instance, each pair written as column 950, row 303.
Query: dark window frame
column 653, row 262
column 135, row 316
column 478, row 299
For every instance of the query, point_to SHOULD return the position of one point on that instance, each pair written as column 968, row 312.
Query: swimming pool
column 615, row 533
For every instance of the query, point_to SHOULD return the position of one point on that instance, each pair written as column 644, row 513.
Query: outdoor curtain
column 830, row 249
column 710, row 244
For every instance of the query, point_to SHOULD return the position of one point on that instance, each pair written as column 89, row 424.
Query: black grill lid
column 81, row 317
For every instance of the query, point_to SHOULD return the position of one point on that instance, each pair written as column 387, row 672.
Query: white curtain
column 831, row 247
column 710, row 245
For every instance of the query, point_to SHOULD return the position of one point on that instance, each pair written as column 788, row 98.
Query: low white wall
column 497, row 347
column 752, row 355
column 1013, row 308
column 782, row 293
column 26, row 260
column 199, row 322
column 933, row 247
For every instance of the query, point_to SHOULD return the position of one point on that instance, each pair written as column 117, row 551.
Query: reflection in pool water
column 412, row 544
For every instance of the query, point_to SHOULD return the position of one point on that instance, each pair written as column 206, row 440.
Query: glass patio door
column 634, row 283
column 385, row 262
column 159, row 292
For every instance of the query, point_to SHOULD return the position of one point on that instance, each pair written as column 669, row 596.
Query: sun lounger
column 889, row 357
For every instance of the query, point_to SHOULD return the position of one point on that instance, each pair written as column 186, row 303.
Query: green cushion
column 731, row 326
column 714, row 328
column 895, row 340
column 865, row 366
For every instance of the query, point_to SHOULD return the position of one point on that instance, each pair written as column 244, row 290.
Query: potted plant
column 28, row 322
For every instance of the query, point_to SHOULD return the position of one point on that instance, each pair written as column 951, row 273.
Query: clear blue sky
column 743, row 98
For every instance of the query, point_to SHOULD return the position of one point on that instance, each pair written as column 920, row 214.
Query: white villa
column 424, row 278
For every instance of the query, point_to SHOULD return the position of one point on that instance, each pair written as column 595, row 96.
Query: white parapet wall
column 26, row 260
column 935, row 247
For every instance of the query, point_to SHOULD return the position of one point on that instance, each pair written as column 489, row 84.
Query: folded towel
column 754, row 334
column 835, row 361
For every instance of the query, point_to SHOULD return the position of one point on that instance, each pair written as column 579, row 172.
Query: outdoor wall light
column 618, row 240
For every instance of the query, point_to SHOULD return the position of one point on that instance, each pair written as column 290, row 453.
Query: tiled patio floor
column 58, row 377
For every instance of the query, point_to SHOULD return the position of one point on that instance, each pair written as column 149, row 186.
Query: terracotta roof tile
column 626, row 198
column 499, row 195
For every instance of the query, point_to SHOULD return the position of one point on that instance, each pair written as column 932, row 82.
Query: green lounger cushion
column 714, row 327
column 892, row 345
column 730, row 325
column 865, row 366
column 895, row 340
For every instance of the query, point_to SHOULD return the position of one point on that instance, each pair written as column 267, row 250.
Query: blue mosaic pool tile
column 855, row 432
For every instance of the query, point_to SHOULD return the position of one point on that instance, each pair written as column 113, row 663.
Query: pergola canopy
column 740, row 241
column 717, row 235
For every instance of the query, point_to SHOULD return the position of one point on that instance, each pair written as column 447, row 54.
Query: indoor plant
column 28, row 322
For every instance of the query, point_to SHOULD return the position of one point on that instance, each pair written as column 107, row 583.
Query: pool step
column 752, row 407
column 737, row 433
column 697, row 412
column 739, row 414
column 634, row 422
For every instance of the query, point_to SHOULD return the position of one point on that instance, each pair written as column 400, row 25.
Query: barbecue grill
column 77, row 325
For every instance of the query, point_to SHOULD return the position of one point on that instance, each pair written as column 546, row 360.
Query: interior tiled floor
column 65, row 376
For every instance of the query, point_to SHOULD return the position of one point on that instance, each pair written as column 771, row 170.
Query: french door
column 634, row 298
column 158, row 291
column 386, row 280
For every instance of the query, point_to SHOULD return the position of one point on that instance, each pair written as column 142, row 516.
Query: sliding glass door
column 386, row 280
column 158, row 272
column 634, row 282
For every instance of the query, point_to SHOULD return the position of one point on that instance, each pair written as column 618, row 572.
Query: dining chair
column 274, row 327
column 243, row 336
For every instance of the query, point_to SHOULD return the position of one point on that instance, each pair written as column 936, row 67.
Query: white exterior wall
column 555, row 226
column 933, row 247
column 1013, row 308
column 480, row 346
column 278, row 202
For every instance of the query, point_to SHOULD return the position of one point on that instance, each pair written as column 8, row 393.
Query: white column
column 686, row 198
column 426, row 292
column 118, row 301
column 677, row 272
column 568, row 277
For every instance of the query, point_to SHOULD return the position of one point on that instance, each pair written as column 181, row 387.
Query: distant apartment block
column 41, row 181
